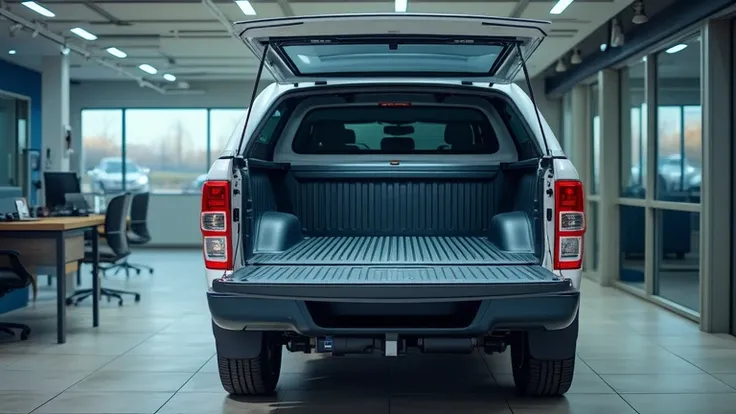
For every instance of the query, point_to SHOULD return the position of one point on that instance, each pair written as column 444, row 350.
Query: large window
column 102, row 140
column 223, row 123
column 633, row 132
column 168, row 144
column 165, row 150
column 679, row 122
column 679, row 168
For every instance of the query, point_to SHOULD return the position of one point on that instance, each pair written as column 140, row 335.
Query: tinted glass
column 393, row 58
column 392, row 130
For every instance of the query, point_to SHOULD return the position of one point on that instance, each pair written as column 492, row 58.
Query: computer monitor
column 57, row 185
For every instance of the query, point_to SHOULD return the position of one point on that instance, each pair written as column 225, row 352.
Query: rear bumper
column 519, row 306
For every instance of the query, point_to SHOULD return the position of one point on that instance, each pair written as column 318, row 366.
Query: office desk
column 57, row 242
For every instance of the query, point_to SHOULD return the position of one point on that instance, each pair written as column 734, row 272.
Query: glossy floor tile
column 156, row 356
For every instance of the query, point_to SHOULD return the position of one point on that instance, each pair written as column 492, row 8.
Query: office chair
column 13, row 275
column 116, row 217
column 138, row 234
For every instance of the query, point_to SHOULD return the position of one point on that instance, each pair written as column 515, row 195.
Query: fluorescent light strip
column 83, row 33
column 246, row 7
column 400, row 6
column 560, row 6
column 148, row 69
column 169, row 77
column 676, row 48
column 116, row 52
column 12, row 52
column 38, row 8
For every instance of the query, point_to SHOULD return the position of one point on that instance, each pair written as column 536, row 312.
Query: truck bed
column 394, row 250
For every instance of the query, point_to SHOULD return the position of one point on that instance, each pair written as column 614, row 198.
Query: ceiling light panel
column 148, row 69
column 560, row 6
column 43, row 11
column 83, row 33
column 116, row 52
column 400, row 6
column 246, row 7
column 169, row 77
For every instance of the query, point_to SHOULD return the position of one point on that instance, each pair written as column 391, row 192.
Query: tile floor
column 156, row 357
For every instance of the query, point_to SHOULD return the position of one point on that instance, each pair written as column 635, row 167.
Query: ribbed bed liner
column 330, row 275
column 394, row 250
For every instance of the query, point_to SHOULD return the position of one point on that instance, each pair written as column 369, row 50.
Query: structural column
column 55, row 113
column 610, row 138
column 716, row 250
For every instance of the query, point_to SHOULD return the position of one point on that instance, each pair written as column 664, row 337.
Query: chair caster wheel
column 137, row 271
column 150, row 271
column 68, row 301
column 24, row 334
column 108, row 299
column 120, row 303
column 137, row 298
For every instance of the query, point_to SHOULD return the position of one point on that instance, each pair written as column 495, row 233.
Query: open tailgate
column 396, row 45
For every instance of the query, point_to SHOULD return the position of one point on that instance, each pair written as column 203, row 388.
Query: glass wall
column 165, row 150
column 679, row 122
column 666, row 262
column 633, row 170
column 679, row 154
column 102, row 144
column 633, row 132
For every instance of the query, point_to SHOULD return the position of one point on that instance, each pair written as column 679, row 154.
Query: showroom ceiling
column 187, row 40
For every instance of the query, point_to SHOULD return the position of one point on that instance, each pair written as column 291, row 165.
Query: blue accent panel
column 676, row 17
column 14, row 300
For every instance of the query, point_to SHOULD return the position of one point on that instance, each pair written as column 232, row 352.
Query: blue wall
column 26, row 82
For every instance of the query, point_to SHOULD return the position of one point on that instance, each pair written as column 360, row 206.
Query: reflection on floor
column 156, row 356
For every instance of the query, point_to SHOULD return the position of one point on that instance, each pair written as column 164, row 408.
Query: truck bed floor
column 394, row 250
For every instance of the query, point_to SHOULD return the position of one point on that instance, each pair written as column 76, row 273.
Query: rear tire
column 253, row 376
column 536, row 377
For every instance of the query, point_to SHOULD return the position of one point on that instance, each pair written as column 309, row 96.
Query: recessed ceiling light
column 38, row 8
column 116, row 52
column 560, row 6
column 83, row 33
column 169, row 77
column 148, row 68
column 676, row 48
column 12, row 52
column 400, row 6
column 246, row 7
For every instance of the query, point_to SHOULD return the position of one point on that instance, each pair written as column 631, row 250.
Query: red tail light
column 215, row 222
column 569, row 224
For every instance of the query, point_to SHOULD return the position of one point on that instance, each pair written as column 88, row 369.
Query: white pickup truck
column 393, row 189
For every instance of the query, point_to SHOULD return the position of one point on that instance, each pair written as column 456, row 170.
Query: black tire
column 535, row 377
column 253, row 376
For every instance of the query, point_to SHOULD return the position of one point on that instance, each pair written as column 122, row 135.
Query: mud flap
column 554, row 345
column 237, row 344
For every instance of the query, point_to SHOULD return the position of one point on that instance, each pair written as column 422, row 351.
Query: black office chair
column 138, row 234
column 13, row 275
column 115, row 251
